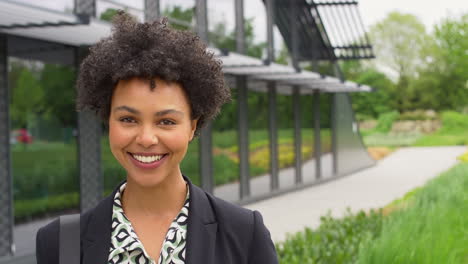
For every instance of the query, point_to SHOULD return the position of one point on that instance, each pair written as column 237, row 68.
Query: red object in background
column 24, row 137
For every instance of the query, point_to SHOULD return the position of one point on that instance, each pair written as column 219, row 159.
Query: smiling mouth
column 147, row 159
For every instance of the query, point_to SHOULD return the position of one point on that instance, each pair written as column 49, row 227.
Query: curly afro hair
column 149, row 50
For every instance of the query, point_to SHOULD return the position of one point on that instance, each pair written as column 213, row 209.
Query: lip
column 151, row 165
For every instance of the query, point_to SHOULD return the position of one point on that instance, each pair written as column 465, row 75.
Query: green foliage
column 181, row 14
column 431, row 230
column 27, row 98
column 442, row 84
column 335, row 241
column 454, row 121
column 227, row 40
column 370, row 104
column 108, row 14
column 452, row 133
column 58, row 84
column 385, row 121
column 28, row 209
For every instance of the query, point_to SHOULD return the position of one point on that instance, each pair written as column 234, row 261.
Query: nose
column 147, row 137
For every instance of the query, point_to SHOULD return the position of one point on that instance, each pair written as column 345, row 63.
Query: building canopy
column 49, row 35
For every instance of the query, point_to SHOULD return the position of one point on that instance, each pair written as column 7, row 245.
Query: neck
column 158, row 201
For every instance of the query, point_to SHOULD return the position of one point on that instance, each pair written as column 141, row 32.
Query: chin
column 146, row 180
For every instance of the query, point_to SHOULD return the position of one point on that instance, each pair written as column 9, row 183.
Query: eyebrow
column 159, row 113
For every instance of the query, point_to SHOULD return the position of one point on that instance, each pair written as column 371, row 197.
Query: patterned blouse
column 126, row 248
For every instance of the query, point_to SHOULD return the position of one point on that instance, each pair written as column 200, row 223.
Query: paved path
column 375, row 187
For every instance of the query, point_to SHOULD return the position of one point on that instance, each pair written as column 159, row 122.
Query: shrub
column 454, row 121
column 335, row 241
column 385, row 121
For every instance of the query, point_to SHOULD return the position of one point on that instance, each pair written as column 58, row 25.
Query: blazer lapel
column 201, row 233
column 202, row 228
column 96, row 239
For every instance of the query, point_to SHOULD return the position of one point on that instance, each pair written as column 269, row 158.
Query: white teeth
column 147, row 159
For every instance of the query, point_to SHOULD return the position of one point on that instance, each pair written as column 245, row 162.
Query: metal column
column 89, row 152
column 273, row 133
column 152, row 11
column 297, row 134
column 317, row 136
column 272, row 119
column 205, row 146
column 240, row 31
column 334, row 120
column 243, row 135
column 242, row 107
column 294, row 35
column 270, row 17
column 85, row 7
column 6, row 181
column 89, row 134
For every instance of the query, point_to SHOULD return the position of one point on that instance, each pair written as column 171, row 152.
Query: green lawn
column 428, row 225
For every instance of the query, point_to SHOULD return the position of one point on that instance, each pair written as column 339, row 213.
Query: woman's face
column 149, row 130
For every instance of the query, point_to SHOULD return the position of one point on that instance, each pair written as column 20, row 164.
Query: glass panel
column 352, row 154
column 43, row 140
column 285, row 140
column 325, row 135
column 307, row 133
column 259, row 143
column 225, row 151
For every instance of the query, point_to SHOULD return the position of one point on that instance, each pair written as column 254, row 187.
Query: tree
column 443, row 83
column 58, row 83
column 180, row 14
column 227, row 40
column 398, row 43
column 108, row 14
column 27, row 98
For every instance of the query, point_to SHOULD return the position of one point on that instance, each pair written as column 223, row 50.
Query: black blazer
column 218, row 232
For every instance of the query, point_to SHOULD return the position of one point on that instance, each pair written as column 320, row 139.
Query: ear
column 193, row 127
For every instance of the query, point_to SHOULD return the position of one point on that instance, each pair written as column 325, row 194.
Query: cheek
column 118, row 136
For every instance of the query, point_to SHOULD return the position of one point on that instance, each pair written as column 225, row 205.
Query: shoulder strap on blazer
column 69, row 245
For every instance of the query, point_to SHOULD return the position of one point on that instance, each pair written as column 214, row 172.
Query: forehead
column 137, row 93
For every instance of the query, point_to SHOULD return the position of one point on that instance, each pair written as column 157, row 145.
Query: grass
column 391, row 140
column 443, row 138
column 428, row 225
column 44, row 172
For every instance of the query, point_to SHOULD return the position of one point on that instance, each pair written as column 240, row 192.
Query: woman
column 155, row 87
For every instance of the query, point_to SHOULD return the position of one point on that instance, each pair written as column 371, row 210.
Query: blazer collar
column 201, row 233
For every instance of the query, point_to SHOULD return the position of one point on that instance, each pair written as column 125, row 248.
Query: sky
column 430, row 12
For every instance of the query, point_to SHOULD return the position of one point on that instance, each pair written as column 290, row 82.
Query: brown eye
column 127, row 120
column 166, row 122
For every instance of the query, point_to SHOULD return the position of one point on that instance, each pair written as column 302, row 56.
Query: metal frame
column 273, row 136
column 243, row 137
column 83, row 20
column 89, row 134
column 206, row 145
column 317, row 136
column 242, row 107
column 297, row 135
column 6, row 177
column 152, row 10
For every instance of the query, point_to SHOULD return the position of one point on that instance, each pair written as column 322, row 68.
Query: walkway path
column 375, row 187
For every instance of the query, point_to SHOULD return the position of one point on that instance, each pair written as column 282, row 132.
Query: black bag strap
column 69, row 245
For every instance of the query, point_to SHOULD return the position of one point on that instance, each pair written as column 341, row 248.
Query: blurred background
column 419, row 78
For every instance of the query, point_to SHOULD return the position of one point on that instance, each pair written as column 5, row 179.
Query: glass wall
column 326, row 135
column 43, row 139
